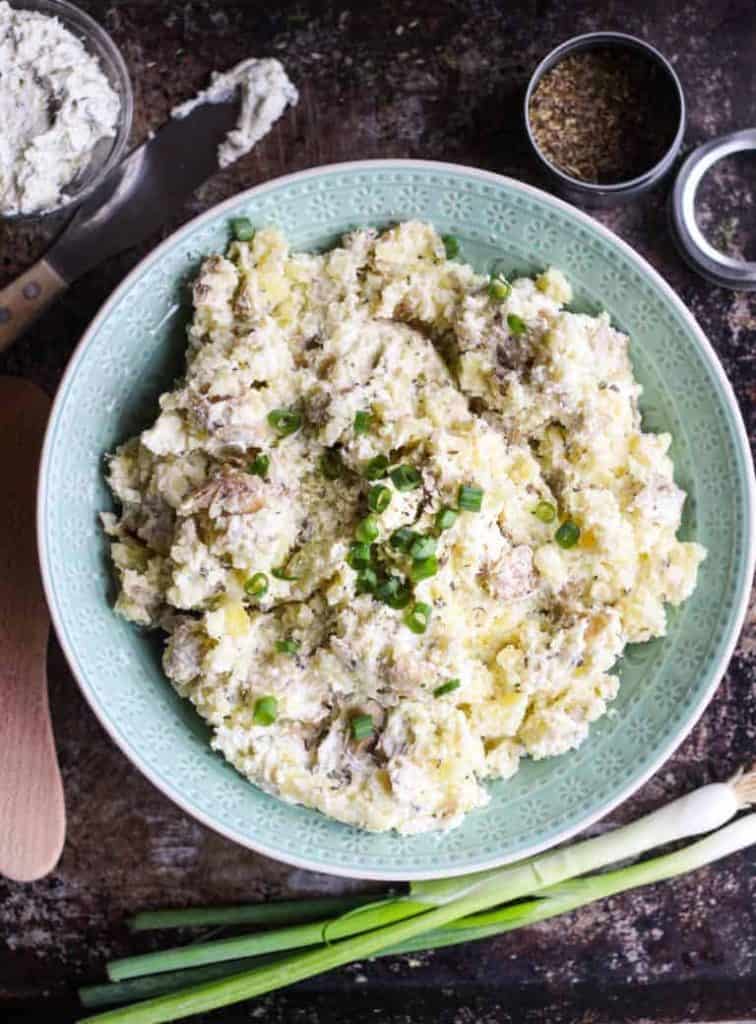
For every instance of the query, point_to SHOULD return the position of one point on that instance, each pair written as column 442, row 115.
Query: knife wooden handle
column 27, row 298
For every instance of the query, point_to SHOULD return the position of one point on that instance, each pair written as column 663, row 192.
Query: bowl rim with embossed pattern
column 119, row 363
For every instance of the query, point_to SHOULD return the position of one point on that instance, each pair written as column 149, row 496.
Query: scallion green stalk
column 281, row 912
column 225, row 991
column 292, row 937
column 94, row 996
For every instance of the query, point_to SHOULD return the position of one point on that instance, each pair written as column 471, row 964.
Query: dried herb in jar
column 604, row 115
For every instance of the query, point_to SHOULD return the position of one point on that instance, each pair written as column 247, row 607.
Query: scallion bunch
column 305, row 938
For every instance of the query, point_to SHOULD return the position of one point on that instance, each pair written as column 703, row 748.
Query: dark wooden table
column 440, row 79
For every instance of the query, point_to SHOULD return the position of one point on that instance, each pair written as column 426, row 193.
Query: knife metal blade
column 145, row 189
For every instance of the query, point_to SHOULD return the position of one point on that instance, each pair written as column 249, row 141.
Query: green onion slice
column 266, row 710
column 422, row 547
column 394, row 592
column 377, row 468
column 568, row 534
column 423, row 569
column 242, row 229
column 516, row 324
column 499, row 289
column 363, row 421
column 405, row 478
column 418, row 616
column 359, row 555
column 379, row 498
column 446, row 518
column 361, row 727
column 545, row 511
column 367, row 581
column 260, row 465
column 448, row 687
column 256, row 585
column 470, row 499
column 403, row 539
column 451, row 245
column 367, row 530
column 282, row 574
column 287, row 646
column 285, row 421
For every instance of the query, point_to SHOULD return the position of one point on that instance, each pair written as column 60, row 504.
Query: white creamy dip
column 56, row 105
column 266, row 91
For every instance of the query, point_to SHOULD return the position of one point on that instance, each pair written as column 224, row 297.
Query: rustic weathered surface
column 438, row 79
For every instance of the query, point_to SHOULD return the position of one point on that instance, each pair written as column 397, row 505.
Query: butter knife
column 137, row 197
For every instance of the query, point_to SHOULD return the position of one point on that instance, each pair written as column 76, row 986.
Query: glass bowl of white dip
column 109, row 150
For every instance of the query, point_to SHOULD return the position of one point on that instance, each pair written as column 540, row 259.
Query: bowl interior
column 133, row 351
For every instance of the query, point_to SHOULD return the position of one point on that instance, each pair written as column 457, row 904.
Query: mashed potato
column 399, row 522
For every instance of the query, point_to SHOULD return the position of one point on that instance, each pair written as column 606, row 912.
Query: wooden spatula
column 32, row 812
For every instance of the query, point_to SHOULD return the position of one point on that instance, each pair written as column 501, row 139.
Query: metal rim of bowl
column 84, row 26
column 589, row 41
column 699, row 253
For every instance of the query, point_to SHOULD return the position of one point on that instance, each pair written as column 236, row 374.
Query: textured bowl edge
column 712, row 360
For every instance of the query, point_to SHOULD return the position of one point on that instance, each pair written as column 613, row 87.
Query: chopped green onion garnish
column 545, row 511
column 362, row 727
column 451, row 245
column 448, row 687
column 359, row 555
column 266, row 709
column 282, row 574
column 242, row 229
column 446, row 518
column 379, row 498
column 363, row 421
column 287, row 646
column 331, row 465
column 394, row 592
column 377, row 468
column 403, row 539
column 260, row 465
column 516, row 324
column 470, row 498
column 367, row 530
column 423, row 547
column 499, row 289
column 418, row 616
column 405, row 478
column 367, row 581
column 256, row 585
column 423, row 569
column 568, row 534
column 285, row 421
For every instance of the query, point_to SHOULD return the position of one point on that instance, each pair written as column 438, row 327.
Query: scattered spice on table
column 604, row 115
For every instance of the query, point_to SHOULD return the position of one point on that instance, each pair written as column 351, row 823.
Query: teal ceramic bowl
column 131, row 353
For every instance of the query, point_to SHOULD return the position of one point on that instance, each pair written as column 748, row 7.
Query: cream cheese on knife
column 266, row 91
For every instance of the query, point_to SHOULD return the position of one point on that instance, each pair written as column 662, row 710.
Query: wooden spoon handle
column 26, row 298
column 32, row 811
